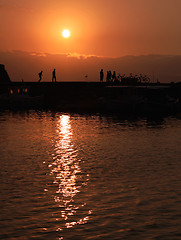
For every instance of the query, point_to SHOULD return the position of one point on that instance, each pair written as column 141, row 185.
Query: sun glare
column 66, row 33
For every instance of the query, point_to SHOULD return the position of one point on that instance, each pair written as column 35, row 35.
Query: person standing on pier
column 101, row 75
column 54, row 76
column 40, row 75
column 114, row 76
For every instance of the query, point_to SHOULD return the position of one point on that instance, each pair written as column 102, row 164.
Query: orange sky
column 110, row 28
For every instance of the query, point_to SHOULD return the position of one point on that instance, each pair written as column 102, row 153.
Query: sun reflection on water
column 67, row 174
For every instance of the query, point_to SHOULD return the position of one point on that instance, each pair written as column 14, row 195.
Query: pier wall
column 96, row 96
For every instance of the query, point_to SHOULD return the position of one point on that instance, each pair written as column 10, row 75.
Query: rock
column 4, row 78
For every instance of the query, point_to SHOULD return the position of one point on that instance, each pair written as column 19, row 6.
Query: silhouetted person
column 107, row 76
column 114, row 76
column 101, row 75
column 40, row 75
column 54, row 76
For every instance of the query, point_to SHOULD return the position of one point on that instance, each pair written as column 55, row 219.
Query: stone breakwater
column 96, row 96
column 4, row 77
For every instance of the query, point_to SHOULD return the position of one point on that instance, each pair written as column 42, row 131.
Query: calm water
column 67, row 176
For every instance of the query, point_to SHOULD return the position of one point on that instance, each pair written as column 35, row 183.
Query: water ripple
column 67, row 176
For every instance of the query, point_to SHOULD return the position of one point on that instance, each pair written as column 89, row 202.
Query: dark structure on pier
column 4, row 78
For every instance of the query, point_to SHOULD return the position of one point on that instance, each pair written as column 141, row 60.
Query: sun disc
column 66, row 33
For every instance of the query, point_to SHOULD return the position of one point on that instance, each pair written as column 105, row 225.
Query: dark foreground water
column 68, row 176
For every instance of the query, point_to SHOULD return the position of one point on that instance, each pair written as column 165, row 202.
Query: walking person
column 40, row 75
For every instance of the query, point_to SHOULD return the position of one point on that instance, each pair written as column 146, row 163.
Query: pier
column 94, row 96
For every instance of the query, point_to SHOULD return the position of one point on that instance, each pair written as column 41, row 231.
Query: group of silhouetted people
column 110, row 77
column 53, row 76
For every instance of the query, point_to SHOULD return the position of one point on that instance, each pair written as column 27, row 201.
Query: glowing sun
column 66, row 33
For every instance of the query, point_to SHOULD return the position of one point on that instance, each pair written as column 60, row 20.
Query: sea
column 76, row 176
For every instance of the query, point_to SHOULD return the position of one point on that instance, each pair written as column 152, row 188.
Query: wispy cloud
column 38, row 54
column 26, row 65
column 68, row 55
column 80, row 56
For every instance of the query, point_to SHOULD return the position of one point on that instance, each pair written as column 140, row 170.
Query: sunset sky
column 31, row 38
column 110, row 28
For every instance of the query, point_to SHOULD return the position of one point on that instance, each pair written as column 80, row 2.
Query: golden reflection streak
column 65, row 169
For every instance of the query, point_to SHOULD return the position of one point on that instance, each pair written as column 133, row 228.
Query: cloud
column 38, row 54
column 80, row 56
column 74, row 67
